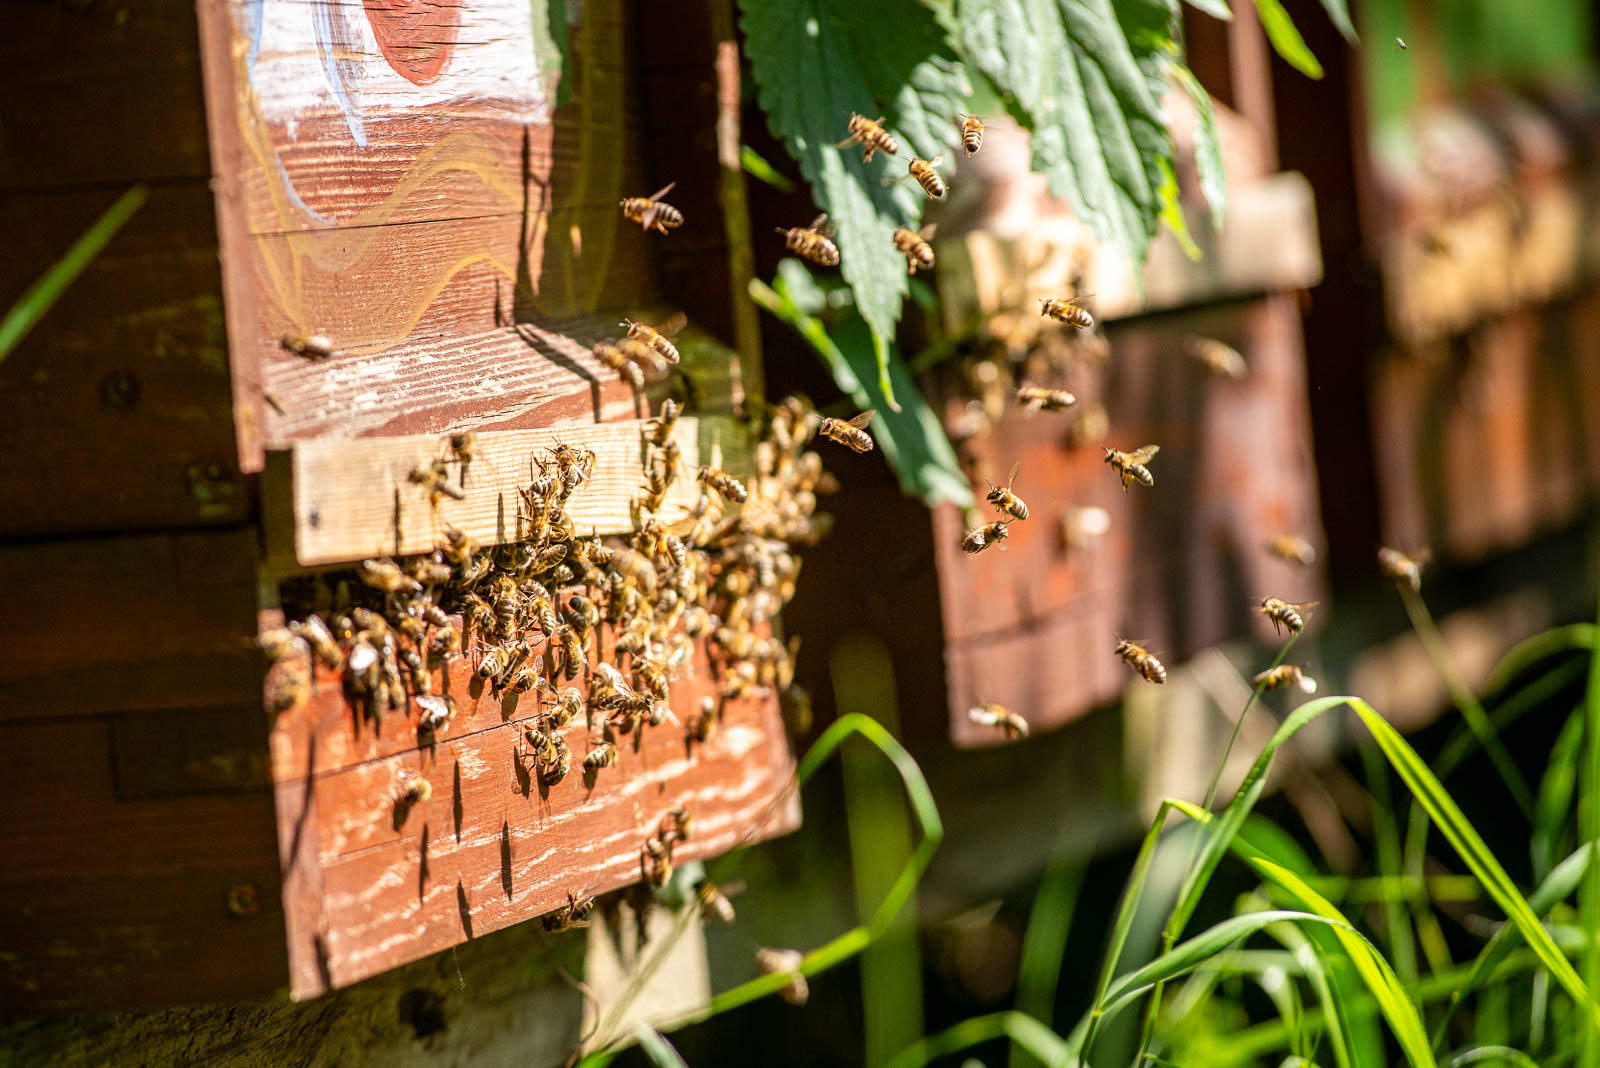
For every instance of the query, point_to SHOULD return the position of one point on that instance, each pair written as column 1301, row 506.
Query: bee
column 872, row 136
column 614, row 358
column 730, row 488
column 923, row 171
column 431, row 572
column 971, row 134
column 1081, row 527
column 436, row 713
column 635, row 568
column 445, row 640
column 982, row 537
column 705, row 725
column 547, row 558
column 812, row 242
column 656, row 861
column 1067, row 311
column 651, row 213
column 417, row 669
column 714, row 902
column 1400, row 44
column 573, row 656
column 682, row 823
column 281, row 643
column 415, row 790
column 1216, row 357
column 1034, row 398
column 1286, row 675
column 1401, row 568
column 556, row 768
column 386, row 575
column 785, row 962
column 574, row 913
column 993, row 715
column 656, row 339
column 569, row 703
column 312, row 347
column 1285, row 615
column 849, row 433
column 435, row 482
column 603, row 755
column 649, row 361
column 914, row 246
column 316, row 634
column 1137, row 657
column 1005, row 502
column 1131, row 466
column 661, row 426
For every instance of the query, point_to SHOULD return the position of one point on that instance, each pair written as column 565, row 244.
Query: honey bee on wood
column 713, row 902
column 568, row 704
column 436, row 713
column 656, row 338
column 417, row 669
column 1131, row 466
column 971, row 134
column 575, row 913
column 1285, row 615
column 444, row 641
column 1401, row 568
column 312, row 347
column 614, row 358
column 386, row 575
column 415, row 790
column 281, row 643
column 1293, row 548
column 655, row 859
column 1137, row 657
column 871, row 135
column 731, row 488
column 1005, row 502
column 812, row 242
column 1216, row 357
column 660, row 431
column 1082, row 527
column 923, row 171
column 850, row 433
column 1068, row 311
column 682, row 823
column 1034, row 398
column 785, row 962
column 435, row 482
column 993, row 715
column 914, row 246
column 651, row 213
column 316, row 634
column 602, row 755
column 635, row 569
column 981, row 538
column 1285, row 675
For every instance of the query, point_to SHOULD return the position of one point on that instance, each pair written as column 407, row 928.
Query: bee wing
column 935, row 161
column 1012, row 477
column 926, row 233
column 672, row 324
column 902, row 178
column 1299, row 606
column 1142, row 455
column 663, row 191
column 820, row 225
column 864, row 418
column 852, row 139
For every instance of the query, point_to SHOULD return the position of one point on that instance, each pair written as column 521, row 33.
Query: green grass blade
column 658, row 1049
column 1494, row 1055
column 1386, row 834
column 1541, row 646
column 1023, row 1030
column 39, row 297
column 1444, row 812
column 1045, row 942
column 1554, row 804
column 1589, row 831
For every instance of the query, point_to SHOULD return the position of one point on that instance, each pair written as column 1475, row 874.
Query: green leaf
column 657, row 1048
column 1470, row 845
column 816, row 61
column 39, row 297
column 1071, row 75
column 1023, row 1030
column 913, row 440
column 1217, row 9
column 756, row 166
column 1286, row 40
column 1207, row 144
column 1339, row 13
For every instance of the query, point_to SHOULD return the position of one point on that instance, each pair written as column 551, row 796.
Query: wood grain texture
column 1033, row 626
column 352, row 498
column 152, row 622
column 493, row 845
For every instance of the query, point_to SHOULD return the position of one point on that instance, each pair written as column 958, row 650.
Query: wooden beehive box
column 401, row 180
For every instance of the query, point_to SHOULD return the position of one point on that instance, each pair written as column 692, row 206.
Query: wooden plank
column 136, row 623
column 125, row 904
column 352, row 499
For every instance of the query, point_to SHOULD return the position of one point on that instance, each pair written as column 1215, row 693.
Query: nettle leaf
column 1073, row 76
column 816, row 61
column 1207, row 145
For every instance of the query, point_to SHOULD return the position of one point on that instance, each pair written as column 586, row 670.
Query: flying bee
column 1139, row 658
column 982, row 537
column 387, row 576
column 914, row 246
column 785, row 962
column 1285, row 615
column 603, row 755
column 713, row 902
column 1216, row 357
column 316, row 634
column 575, row 913
column 871, row 135
column 660, row 431
column 1293, row 548
column 1402, row 568
column 312, row 347
column 1082, row 527
column 656, row 339
column 436, row 713
column 651, row 213
column 1034, row 398
column 730, row 488
column 435, row 482
column 1286, row 675
column 971, row 134
column 814, row 242
column 682, row 823
column 642, row 355
column 851, row 434
column 656, row 860
column 1065, row 310
column 1131, row 466
column 1005, row 502
column 923, row 171
column 993, row 715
